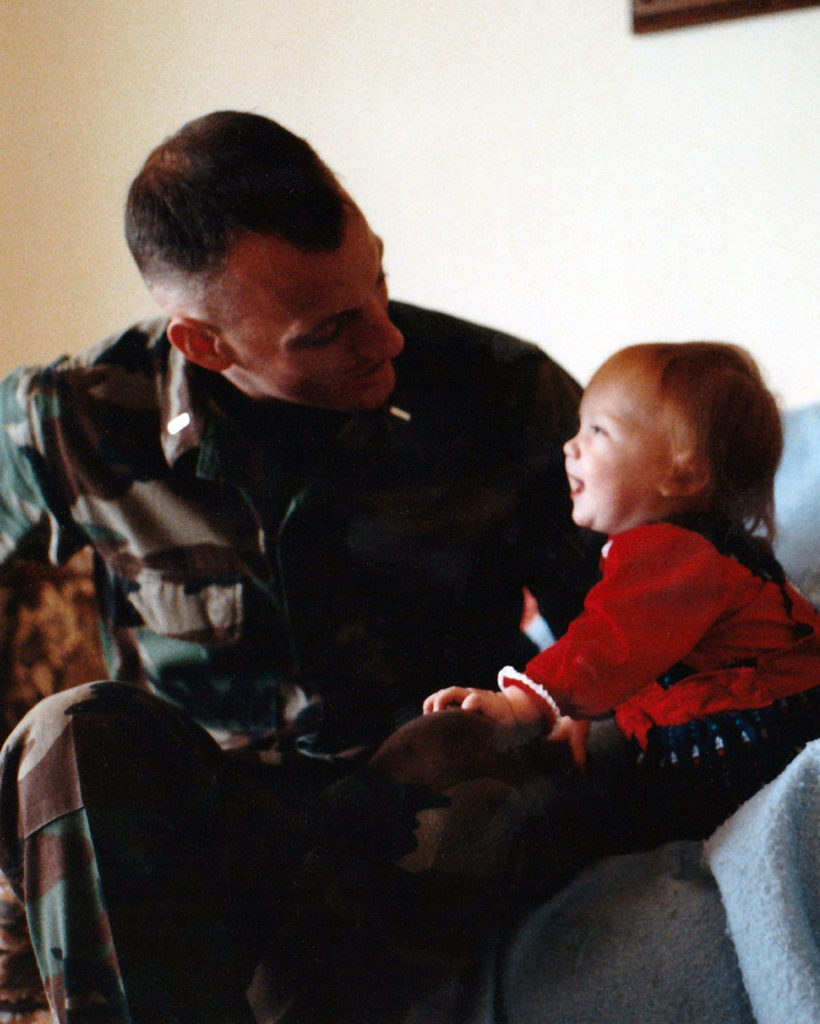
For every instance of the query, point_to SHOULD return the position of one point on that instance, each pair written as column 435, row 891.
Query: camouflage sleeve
column 34, row 521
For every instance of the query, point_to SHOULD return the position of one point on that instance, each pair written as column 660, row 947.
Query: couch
column 724, row 931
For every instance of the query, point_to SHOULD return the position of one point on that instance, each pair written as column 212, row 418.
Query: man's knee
column 37, row 731
column 106, row 744
column 105, row 712
column 115, row 713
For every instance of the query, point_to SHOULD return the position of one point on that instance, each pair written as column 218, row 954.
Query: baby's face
column 620, row 462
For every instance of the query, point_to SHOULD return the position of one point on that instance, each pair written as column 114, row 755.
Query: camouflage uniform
column 156, row 869
column 291, row 579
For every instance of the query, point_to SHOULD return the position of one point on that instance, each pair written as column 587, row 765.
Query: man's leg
column 145, row 860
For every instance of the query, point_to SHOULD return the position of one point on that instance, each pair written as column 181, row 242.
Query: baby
column 693, row 640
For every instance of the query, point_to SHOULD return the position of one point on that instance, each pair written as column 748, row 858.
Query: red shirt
column 667, row 595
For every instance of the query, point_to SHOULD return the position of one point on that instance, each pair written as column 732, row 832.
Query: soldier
column 307, row 506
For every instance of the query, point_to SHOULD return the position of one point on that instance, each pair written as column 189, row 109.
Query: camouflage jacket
column 291, row 572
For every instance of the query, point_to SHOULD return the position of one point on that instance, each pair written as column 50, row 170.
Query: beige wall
column 531, row 164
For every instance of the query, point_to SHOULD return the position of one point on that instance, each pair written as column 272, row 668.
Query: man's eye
column 326, row 333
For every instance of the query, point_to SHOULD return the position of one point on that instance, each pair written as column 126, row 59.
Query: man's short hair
column 221, row 176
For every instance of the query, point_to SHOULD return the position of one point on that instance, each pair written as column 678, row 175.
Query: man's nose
column 383, row 333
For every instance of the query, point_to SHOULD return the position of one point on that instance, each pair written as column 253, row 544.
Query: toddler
column 694, row 650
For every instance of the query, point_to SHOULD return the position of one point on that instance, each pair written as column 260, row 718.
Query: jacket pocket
column 202, row 612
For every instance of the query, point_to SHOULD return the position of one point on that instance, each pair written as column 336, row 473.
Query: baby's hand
column 511, row 708
column 490, row 703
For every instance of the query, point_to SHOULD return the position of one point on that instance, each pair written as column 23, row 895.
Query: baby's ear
column 688, row 476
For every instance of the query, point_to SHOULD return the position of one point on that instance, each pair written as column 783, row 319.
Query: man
column 308, row 506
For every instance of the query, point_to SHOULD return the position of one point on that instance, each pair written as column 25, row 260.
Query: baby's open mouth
column 575, row 485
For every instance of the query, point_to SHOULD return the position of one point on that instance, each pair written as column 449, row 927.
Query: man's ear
column 198, row 343
column 688, row 476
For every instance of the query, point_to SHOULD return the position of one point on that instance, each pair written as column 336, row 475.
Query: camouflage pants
column 158, row 872
column 125, row 832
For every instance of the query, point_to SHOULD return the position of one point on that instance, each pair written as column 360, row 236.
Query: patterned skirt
column 734, row 753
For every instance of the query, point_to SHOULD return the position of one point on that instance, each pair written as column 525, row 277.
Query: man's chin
column 376, row 393
column 358, row 394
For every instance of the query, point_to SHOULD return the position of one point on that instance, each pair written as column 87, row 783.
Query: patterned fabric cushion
column 49, row 640
column 21, row 994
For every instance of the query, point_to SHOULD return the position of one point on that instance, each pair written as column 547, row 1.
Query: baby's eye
column 595, row 428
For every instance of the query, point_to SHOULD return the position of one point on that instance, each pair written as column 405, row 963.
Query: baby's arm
column 513, row 707
column 517, row 702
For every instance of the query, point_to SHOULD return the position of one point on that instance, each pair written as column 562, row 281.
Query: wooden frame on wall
column 655, row 15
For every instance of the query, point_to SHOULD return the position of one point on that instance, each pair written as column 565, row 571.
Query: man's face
column 305, row 327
